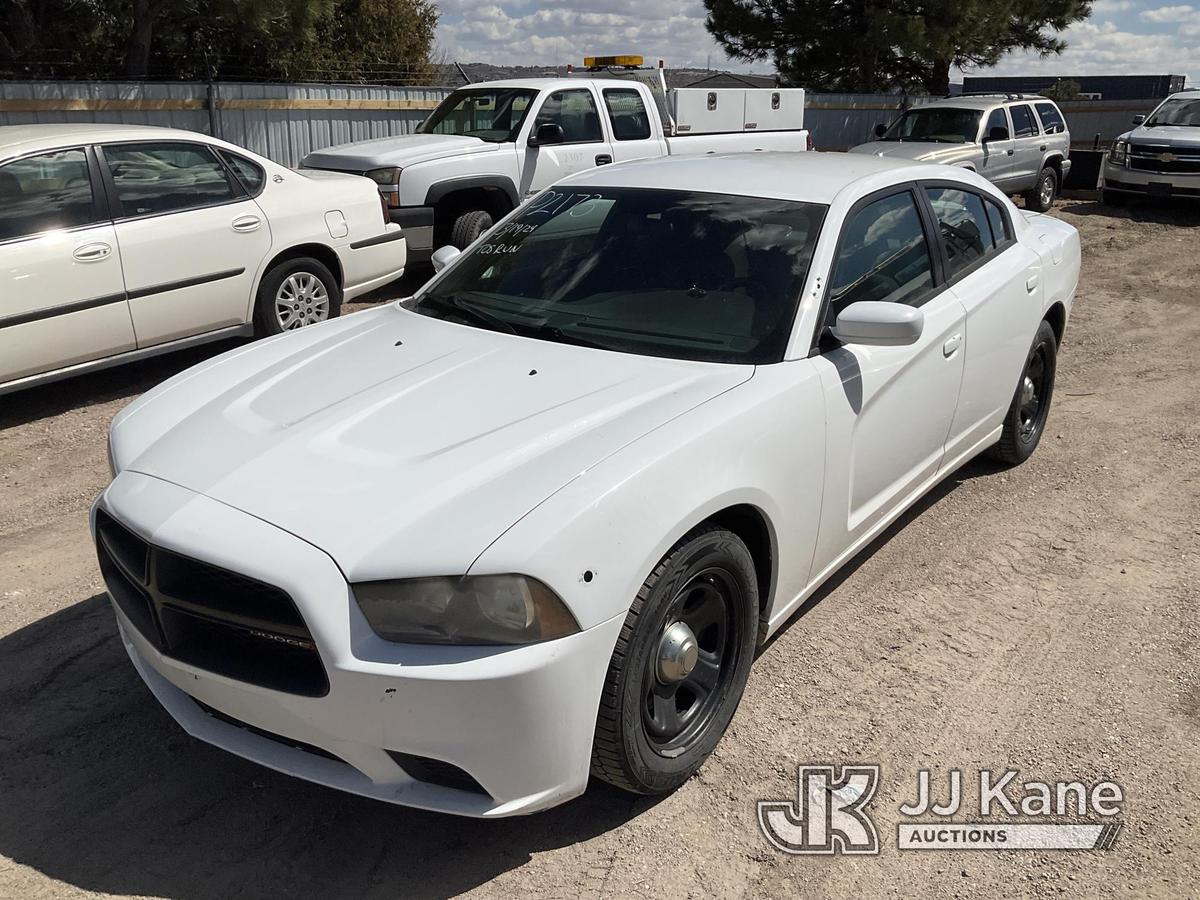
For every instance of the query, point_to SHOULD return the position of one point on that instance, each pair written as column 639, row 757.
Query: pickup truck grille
column 208, row 617
column 1164, row 159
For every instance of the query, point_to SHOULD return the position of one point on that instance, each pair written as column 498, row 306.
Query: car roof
column 20, row 138
column 546, row 83
column 810, row 177
column 983, row 102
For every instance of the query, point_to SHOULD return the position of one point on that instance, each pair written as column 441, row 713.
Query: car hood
column 1165, row 136
column 920, row 151
column 399, row 444
column 401, row 150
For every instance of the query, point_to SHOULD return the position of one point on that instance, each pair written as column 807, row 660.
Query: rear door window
column 250, row 174
column 964, row 226
column 47, row 192
column 1023, row 122
column 155, row 178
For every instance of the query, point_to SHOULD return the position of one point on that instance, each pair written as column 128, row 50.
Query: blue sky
column 1122, row 36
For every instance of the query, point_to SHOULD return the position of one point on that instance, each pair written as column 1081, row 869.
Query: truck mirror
column 996, row 133
column 1138, row 120
column 880, row 130
column 547, row 133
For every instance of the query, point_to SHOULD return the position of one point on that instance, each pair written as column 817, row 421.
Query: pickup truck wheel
column 295, row 293
column 1041, row 198
column 680, row 664
column 469, row 226
column 1026, row 417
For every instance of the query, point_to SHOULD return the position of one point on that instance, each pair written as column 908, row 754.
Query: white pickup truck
column 487, row 147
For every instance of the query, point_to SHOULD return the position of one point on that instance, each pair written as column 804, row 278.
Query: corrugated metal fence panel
column 281, row 122
column 285, row 122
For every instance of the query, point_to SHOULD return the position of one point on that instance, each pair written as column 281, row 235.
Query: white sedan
column 460, row 551
column 118, row 243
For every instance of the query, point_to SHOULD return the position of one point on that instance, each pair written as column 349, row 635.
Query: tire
column 1026, row 418
column 1114, row 198
column 315, row 296
column 1041, row 197
column 468, row 227
column 707, row 582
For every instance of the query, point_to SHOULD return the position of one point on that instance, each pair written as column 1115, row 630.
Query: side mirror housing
column 1138, row 120
column 547, row 133
column 880, row 324
column 996, row 133
column 880, row 130
column 443, row 256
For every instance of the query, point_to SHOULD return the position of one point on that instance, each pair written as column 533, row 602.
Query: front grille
column 1179, row 160
column 208, row 617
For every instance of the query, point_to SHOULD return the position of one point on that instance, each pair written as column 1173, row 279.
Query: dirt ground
column 1043, row 619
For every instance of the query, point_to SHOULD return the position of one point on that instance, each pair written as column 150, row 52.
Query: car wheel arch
column 1056, row 315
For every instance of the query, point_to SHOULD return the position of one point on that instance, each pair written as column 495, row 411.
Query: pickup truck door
column 636, row 131
column 62, row 295
column 584, row 145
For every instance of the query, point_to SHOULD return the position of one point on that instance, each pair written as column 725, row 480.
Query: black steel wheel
column 1026, row 418
column 680, row 665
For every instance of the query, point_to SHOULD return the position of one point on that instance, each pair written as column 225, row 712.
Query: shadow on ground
column 1180, row 212
column 104, row 792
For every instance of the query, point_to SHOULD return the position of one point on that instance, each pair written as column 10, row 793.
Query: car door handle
column 1031, row 283
column 951, row 346
column 93, row 252
column 1011, row 152
column 246, row 223
column 1042, row 148
column 603, row 159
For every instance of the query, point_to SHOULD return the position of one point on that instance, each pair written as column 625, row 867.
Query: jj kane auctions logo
column 830, row 814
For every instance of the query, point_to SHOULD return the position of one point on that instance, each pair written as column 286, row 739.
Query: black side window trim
column 1033, row 120
column 115, row 211
column 100, row 215
column 933, row 247
column 989, row 254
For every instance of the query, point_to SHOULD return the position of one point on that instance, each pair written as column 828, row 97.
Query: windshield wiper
column 555, row 333
column 454, row 303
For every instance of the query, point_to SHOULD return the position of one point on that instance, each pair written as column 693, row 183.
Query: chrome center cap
column 677, row 653
column 1026, row 390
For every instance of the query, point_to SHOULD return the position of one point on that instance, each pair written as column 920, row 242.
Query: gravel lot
column 1043, row 619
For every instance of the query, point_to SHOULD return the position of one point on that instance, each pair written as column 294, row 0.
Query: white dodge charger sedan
column 120, row 242
column 460, row 551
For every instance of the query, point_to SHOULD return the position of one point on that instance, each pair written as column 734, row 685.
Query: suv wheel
column 1041, row 198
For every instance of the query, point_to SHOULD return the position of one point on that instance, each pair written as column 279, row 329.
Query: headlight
column 488, row 609
column 1119, row 153
column 389, row 176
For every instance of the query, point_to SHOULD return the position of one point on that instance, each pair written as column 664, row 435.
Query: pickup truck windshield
column 697, row 276
column 490, row 114
column 937, row 124
column 1184, row 112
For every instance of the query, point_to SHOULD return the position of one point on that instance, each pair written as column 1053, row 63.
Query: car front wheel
column 1026, row 417
column 680, row 664
column 295, row 293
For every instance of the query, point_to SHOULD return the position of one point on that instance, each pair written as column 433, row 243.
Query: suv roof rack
column 1007, row 95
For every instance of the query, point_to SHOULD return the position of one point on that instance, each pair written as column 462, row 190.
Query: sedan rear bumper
column 479, row 731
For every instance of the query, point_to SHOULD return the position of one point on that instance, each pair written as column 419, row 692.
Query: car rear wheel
column 469, row 226
column 1030, row 407
column 680, row 664
column 295, row 293
column 1041, row 198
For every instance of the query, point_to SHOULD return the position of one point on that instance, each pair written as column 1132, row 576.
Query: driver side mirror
column 547, row 133
column 996, row 133
column 1138, row 120
column 878, row 323
column 443, row 256
column 880, row 130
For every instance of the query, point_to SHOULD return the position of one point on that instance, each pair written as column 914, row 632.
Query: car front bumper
column 518, row 721
column 1152, row 184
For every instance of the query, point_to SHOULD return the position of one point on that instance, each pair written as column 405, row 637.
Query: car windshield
column 490, row 114
column 1184, row 111
column 687, row 275
column 936, row 124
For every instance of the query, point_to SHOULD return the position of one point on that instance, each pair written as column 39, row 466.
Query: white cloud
column 1168, row 14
